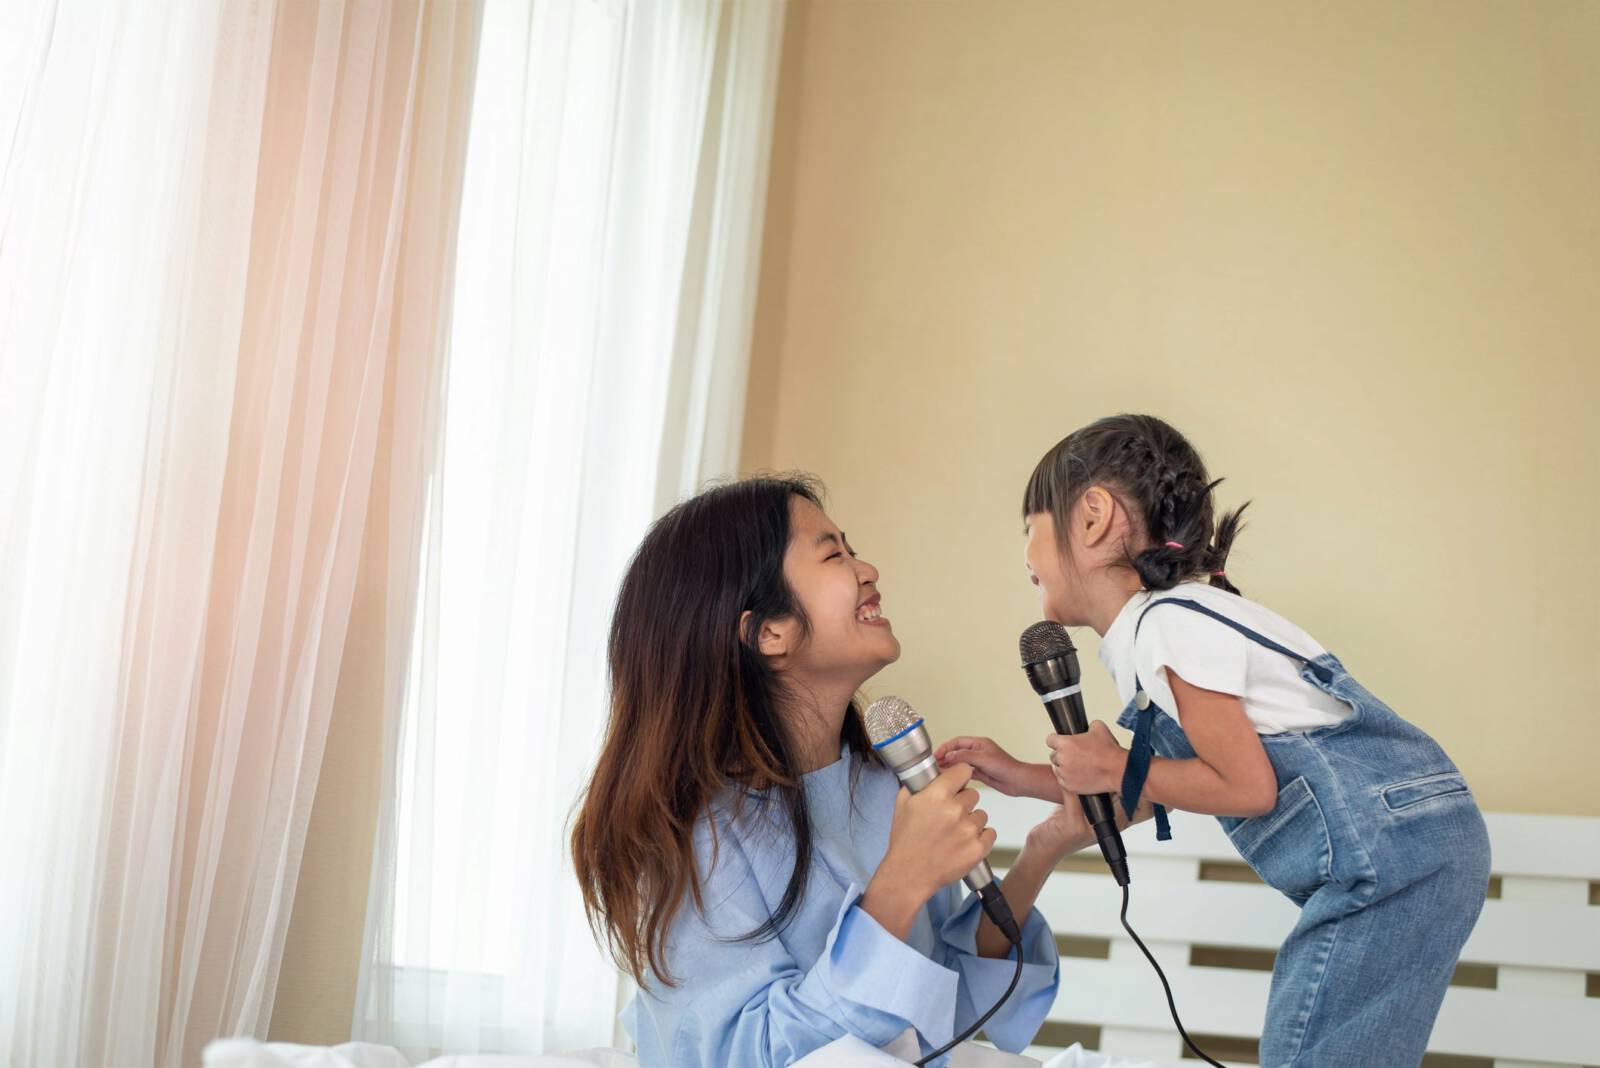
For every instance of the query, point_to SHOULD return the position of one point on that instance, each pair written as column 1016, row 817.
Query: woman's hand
column 1088, row 763
column 993, row 766
column 1062, row 833
column 938, row 835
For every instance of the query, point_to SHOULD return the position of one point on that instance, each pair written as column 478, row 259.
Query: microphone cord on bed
column 980, row 1021
column 1172, row 1006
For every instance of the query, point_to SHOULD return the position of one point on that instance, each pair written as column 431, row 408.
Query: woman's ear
column 774, row 639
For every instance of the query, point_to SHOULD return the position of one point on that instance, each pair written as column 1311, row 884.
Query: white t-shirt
column 1209, row 654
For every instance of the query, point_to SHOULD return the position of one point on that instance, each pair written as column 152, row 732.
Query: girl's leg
column 1359, row 982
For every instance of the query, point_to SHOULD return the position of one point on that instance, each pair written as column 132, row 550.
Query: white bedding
column 847, row 1052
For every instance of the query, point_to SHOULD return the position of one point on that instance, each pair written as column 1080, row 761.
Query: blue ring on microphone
column 896, row 738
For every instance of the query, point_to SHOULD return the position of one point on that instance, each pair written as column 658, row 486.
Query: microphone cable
column 1172, row 1006
column 969, row 1032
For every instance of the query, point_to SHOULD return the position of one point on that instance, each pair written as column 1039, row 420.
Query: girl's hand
column 1088, row 763
column 938, row 834
column 993, row 766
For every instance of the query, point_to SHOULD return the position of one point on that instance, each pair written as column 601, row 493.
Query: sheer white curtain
column 615, row 187
column 209, row 221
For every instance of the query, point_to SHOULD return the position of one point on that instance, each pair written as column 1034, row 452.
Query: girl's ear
column 775, row 639
column 1096, row 511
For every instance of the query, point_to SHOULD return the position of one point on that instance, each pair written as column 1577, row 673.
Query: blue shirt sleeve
column 752, row 1004
column 984, row 979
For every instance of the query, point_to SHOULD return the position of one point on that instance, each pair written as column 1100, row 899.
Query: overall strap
column 1258, row 638
column 1137, row 769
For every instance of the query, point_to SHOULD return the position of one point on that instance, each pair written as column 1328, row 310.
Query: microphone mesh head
column 887, row 717
column 1044, row 640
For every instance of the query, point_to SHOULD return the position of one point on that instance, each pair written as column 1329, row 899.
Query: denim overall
column 1379, row 841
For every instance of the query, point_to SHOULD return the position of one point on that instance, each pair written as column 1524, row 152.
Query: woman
column 749, row 861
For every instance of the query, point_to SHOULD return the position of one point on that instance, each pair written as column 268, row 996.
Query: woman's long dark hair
column 695, row 709
column 1160, row 479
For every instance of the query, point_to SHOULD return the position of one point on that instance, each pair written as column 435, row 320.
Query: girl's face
column 1065, row 565
column 1051, row 570
column 850, row 640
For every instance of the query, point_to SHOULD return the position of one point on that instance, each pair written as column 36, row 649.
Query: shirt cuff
column 1016, row 1023
column 881, row 984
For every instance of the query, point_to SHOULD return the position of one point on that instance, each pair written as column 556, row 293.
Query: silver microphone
column 900, row 738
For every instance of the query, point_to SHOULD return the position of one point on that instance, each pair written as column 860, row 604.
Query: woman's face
column 850, row 640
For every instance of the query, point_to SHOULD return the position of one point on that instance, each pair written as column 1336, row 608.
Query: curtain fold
column 225, row 241
column 605, row 293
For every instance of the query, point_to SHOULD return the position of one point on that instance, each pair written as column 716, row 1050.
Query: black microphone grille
column 1044, row 640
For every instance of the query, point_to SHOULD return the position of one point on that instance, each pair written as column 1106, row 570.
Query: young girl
column 750, row 862
column 1355, row 814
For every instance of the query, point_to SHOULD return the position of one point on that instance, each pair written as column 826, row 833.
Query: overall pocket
column 1400, row 796
column 1288, row 847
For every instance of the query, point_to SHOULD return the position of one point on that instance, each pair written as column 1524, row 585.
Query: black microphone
column 1051, row 664
column 900, row 739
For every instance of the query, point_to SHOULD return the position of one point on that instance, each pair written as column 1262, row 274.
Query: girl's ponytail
column 1217, row 556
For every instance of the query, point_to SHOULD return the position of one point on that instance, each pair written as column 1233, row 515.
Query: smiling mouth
column 871, row 612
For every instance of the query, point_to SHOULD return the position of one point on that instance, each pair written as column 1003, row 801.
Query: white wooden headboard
column 1531, row 970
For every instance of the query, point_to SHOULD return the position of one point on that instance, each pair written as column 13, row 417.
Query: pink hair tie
column 1218, row 574
column 1174, row 545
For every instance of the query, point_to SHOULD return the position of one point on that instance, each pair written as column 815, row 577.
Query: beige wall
column 1353, row 250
